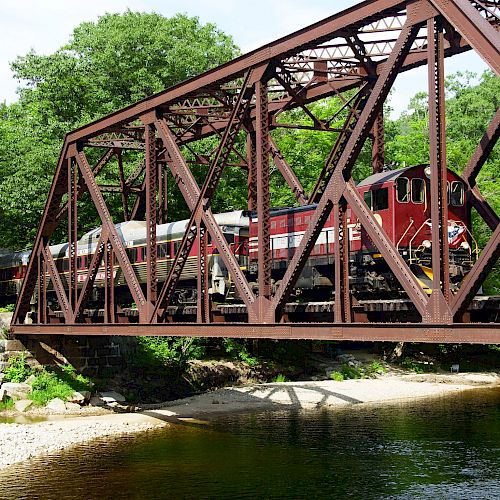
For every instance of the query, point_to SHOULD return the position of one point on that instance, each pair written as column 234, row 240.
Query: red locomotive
column 399, row 199
column 400, row 202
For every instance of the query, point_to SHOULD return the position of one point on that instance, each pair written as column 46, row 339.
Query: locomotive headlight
column 426, row 244
column 427, row 172
column 464, row 245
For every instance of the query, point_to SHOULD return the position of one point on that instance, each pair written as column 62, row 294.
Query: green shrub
column 8, row 308
column 169, row 351
column 375, row 368
column 49, row 384
column 6, row 405
column 337, row 376
column 280, row 378
column 237, row 350
column 18, row 369
column 416, row 366
column 351, row 372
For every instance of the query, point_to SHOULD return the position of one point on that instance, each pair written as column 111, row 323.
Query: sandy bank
column 21, row 442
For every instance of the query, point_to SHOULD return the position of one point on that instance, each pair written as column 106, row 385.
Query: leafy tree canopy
column 105, row 66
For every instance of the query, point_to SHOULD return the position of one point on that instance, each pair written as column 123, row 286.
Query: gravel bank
column 21, row 442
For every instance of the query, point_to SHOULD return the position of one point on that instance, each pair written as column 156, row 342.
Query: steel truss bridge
column 355, row 55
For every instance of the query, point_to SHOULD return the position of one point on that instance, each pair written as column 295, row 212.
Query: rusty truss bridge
column 354, row 55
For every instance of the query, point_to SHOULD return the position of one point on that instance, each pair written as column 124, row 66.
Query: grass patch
column 417, row 366
column 280, row 378
column 18, row 369
column 6, row 405
column 337, row 376
column 50, row 384
column 349, row 372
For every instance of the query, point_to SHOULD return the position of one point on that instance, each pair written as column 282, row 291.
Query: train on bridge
column 399, row 199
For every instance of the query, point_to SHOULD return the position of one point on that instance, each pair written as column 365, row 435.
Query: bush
column 351, row 372
column 169, row 351
column 49, row 385
column 18, row 369
column 337, row 376
column 280, row 378
column 417, row 367
column 237, row 350
column 6, row 405
column 375, row 368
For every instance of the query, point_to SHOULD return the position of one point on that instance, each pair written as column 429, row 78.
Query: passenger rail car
column 399, row 200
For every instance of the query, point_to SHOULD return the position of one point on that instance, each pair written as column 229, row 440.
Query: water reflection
column 439, row 448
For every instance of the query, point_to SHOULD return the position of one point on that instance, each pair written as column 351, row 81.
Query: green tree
column 105, row 66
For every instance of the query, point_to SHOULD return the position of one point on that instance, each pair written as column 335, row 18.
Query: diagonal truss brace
column 114, row 238
column 203, row 199
column 191, row 193
column 334, row 188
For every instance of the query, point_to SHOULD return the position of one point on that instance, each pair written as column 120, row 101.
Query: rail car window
column 132, row 254
column 163, row 250
column 229, row 237
column 417, row 190
column 457, row 194
column 403, row 189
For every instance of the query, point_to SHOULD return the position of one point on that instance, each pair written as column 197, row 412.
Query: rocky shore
column 20, row 442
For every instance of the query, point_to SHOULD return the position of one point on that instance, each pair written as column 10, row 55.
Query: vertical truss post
column 252, row 174
column 162, row 194
column 123, row 185
column 109, row 287
column 72, row 233
column 342, row 297
column 202, row 297
column 378, row 153
column 151, row 182
column 263, row 200
column 439, row 197
column 42, row 289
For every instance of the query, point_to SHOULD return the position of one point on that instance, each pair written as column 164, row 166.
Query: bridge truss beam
column 355, row 56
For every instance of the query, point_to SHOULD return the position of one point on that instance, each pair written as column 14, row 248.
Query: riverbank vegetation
column 47, row 382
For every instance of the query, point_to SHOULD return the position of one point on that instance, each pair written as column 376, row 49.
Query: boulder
column 112, row 397
column 79, row 397
column 96, row 401
column 72, row 406
column 57, row 405
column 30, row 379
column 23, row 404
column 17, row 390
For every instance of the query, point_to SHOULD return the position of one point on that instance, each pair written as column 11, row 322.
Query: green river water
column 447, row 447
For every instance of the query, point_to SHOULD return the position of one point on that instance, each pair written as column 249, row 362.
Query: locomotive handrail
column 426, row 222
column 405, row 233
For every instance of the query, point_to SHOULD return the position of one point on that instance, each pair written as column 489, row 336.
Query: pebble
column 20, row 442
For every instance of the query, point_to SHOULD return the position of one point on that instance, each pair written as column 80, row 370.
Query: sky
column 46, row 25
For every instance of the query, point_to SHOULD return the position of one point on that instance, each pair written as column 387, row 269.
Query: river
column 445, row 447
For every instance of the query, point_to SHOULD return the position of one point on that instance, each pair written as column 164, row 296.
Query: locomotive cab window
column 403, row 189
column 368, row 199
column 456, row 194
column 417, row 190
column 377, row 199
